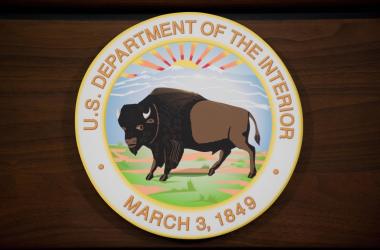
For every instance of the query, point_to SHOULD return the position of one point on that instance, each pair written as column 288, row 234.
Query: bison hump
column 174, row 100
column 165, row 91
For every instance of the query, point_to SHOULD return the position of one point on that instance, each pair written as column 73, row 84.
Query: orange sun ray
column 159, row 56
column 126, row 75
column 215, row 59
column 181, row 51
column 151, row 65
column 230, row 65
column 193, row 46
column 204, row 53
column 170, row 52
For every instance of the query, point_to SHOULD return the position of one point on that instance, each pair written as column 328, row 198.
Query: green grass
column 205, row 166
column 240, row 163
column 260, row 158
column 187, row 189
column 201, row 159
column 131, row 166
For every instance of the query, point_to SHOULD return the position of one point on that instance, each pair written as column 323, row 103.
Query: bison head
column 139, row 125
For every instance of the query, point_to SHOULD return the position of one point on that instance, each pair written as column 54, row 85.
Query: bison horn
column 118, row 113
column 146, row 115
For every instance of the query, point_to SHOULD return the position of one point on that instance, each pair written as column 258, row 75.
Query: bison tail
column 257, row 134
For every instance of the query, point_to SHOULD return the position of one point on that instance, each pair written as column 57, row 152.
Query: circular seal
column 188, row 125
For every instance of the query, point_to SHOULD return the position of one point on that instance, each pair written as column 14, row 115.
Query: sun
column 186, row 64
column 163, row 58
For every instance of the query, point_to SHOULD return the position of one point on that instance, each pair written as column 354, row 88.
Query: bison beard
column 179, row 119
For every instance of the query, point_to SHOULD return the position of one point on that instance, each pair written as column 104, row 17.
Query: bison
column 169, row 120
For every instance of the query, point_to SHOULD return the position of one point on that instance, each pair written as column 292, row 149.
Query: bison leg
column 240, row 141
column 165, row 176
column 252, row 156
column 158, row 161
column 173, row 155
column 222, row 156
column 151, row 172
column 252, row 164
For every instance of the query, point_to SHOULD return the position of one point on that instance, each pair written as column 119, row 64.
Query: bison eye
column 140, row 127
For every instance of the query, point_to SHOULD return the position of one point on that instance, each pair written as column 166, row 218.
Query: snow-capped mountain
column 212, row 82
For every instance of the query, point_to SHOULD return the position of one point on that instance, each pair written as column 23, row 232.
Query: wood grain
column 131, row 6
column 46, row 199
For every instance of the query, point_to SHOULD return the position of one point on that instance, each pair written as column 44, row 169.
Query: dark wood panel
column 122, row 6
column 175, row 3
column 47, row 200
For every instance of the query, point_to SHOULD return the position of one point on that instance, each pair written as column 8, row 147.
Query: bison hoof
column 149, row 177
column 164, row 177
column 251, row 175
column 211, row 172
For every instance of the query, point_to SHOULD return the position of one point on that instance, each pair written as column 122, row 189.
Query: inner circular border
column 300, row 126
column 254, row 71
